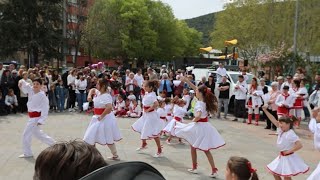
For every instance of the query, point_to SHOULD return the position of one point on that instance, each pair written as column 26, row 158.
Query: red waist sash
column 147, row 107
column 162, row 117
column 177, row 118
column 98, row 111
column 298, row 103
column 169, row 114
column 34, row 114
column 282, row 154
column 203, row 119
column 283, row 111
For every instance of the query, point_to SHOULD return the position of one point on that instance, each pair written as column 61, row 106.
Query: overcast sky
column 185, row 9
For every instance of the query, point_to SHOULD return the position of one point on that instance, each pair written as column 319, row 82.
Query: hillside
column 204, row 24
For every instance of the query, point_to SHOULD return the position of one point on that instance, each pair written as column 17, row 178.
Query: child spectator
column 52, row 98
column 120, row 109
column 190, row 112
column 135, row 111
column 61, row 94
column 11, row 102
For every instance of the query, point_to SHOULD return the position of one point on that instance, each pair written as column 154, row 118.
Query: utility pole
column 64, row 33
column 295, row 37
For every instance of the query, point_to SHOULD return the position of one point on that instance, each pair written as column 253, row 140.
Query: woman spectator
column 272, row 107
column 165, row 85
column 7, row 82
column 45, row 79
column 72, row 88
column 210, row 83
column 54, row 77
column 24, row 97
column 131, row 84
column 203, row 81
column 81, row 87
column 178, row 88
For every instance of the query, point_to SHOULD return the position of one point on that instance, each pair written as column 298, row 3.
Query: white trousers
column 32, row 129
column 255, row 110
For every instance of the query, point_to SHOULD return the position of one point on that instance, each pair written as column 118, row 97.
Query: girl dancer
column 299, row 93
column 179, row 112
column 314, row 127
column 38, row 107
column 254, row 102
column 284, row 102
column 161, row 112
column 288, row 163
column 149, row 124
column 103, row 128
column 168, row 108
column 241, row 169
column 200, row 133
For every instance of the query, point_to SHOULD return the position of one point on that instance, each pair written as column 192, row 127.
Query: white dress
column 149, row 124
column 289, row 165
column 315, row 128
column 162, row 115
column 200, row 135
column 178, row 113
column 106, row 131
column 168, row 108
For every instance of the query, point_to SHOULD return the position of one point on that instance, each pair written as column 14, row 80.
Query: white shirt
column 187, row 99
column 139, row 79
column 80, row 85
column 281, row 100
column 241, row 93
column 201, row 107
column 179, row 111
column 315, row 128
column 71, row 79
column 11, row 100
column 161, row 112
column 36, row 102
column 21, row 92
column 222, row 71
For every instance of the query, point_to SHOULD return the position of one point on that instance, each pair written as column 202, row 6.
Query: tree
column 32, row 27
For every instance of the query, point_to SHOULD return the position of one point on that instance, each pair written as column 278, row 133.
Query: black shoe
column 267, row 127
column 274, row 129
column 235, row 119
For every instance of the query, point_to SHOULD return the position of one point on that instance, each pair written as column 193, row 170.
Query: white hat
column 160, row 98
column 191, row 91
column 164, row 66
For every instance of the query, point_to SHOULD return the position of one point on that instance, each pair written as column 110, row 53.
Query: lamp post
column 295, row 37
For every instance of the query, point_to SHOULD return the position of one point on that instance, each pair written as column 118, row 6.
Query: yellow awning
column 207, row 49
column 231, row 42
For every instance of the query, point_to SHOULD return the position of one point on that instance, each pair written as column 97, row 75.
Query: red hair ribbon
column 252, row 170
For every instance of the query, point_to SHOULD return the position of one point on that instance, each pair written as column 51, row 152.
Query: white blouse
column 161, row 112
column 101, row 100
column 37, row 102
column 286, row 140
column 179, row 111
column 149, row 99
column 201, row 107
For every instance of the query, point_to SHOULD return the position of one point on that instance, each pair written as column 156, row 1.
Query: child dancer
column 38, row 107
column 200, row 133
column 288, row 163
column 168, row 108
column 103, row 128
column 241, row 169
column 120, row 109
column 284, row 102
column 186, row 97
column 314, row 127
column 254, row 102
column 179, row 112
column 162, row 113
column 149, row 124
column 135, row 111
column 299, row 93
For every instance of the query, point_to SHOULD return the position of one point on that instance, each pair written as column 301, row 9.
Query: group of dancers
column 162, row 117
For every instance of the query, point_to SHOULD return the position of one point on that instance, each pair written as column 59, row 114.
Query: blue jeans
column 81, row 98
column 61, row 103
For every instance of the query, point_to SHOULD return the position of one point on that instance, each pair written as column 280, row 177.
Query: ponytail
column 209, row 98
column 254, row 176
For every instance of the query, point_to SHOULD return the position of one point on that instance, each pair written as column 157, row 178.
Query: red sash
column 282, row 154
column 169, row 114
column 283, row 111
column 161, row 117
column 34, row 114
column 298, row 104
column 147, row 107
column 203, row 119
column 98, row 111
column 177, row 118
column 250, row 103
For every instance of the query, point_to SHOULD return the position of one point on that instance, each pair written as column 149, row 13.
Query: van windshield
column 235, row 78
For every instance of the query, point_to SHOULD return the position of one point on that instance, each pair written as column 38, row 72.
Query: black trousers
column 23, row 104
column 72, row 98
column 240, row 108
column 269, row 123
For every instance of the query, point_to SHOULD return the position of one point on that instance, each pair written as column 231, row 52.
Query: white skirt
column 200, row 135
column 104, row 132
column 149, row 125
column 288, row 166
column 169, row 127
column 316, row 174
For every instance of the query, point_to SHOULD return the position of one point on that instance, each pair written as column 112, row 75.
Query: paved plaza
column 252, row 142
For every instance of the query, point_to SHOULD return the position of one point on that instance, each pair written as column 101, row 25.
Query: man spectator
column 280, row 82
column 240, row 92
column 152, row 74
column 223, row 96
column 221, row 71
column 288, row 82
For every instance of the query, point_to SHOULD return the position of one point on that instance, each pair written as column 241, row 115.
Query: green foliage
column 142, row 29
column 31, row 26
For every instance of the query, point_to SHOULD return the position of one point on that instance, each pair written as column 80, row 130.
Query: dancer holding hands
column 200, row 134
column 103, row 128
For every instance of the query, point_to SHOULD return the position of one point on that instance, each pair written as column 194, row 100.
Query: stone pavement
column 252, row 142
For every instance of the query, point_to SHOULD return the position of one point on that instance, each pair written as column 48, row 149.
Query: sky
column 186, row 9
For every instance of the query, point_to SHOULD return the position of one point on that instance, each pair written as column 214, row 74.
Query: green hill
column 204, row 24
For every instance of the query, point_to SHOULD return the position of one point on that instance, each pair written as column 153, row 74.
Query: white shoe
column 214, row 175
column 25, row 156
column 141, row 148
column 158, row 155
column 70, row 109
column 193, row 171
column 114, row 158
